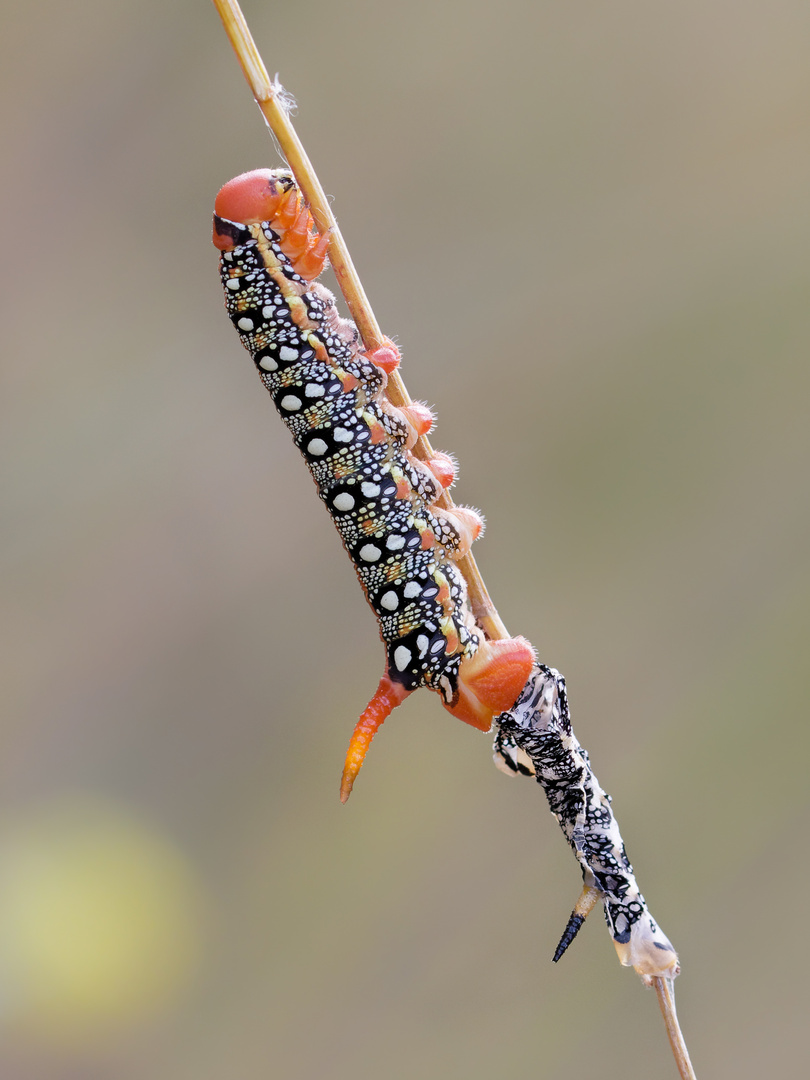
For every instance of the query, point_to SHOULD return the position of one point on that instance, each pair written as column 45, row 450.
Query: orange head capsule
column 271, row 195
column 252, row 196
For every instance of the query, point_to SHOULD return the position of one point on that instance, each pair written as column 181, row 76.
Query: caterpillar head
column 271, row 196
column 250, row 198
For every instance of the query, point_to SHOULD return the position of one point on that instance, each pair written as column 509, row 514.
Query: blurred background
column 587, row 226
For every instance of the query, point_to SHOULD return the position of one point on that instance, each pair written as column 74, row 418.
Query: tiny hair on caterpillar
column 357, row 444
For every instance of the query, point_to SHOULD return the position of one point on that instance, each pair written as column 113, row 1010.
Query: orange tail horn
column 386, row 698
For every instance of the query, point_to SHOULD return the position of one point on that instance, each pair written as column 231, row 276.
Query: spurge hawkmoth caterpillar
column 357, row 445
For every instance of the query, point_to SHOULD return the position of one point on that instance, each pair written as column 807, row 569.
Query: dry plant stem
column 266, row 92
column 666, row 1000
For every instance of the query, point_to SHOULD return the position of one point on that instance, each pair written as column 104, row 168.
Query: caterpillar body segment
column 357, row 444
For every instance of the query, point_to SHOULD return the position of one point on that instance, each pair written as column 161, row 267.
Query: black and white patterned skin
column 330, row 396
column 535, row 737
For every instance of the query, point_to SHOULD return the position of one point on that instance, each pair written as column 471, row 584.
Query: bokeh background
column 588, row 226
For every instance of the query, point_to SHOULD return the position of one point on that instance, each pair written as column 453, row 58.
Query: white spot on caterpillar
column 288, row 354
column 370, row 553
column 267, row 363
column 371, row 491
column 290, row 403
column 314, row 389
column 390, row 601
column 227, row 256
column 233, row 284
column 422, row 642
column 268, row 312
column 342, row 435
column 394, row 543
column 344, row 501
column 412, row 589
column 402, row 657
column 438, row 646
column 245, row 323
column 317, row 447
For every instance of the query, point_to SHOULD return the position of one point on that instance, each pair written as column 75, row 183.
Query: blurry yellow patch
column 99, row 921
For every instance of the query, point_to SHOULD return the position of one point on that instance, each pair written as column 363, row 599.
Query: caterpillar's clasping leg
column 582, row 909
column 386, row 698
column 385, row 356
column 491, row 681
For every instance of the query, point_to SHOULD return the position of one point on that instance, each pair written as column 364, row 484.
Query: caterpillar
column 358, row 446
column 331, row 395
